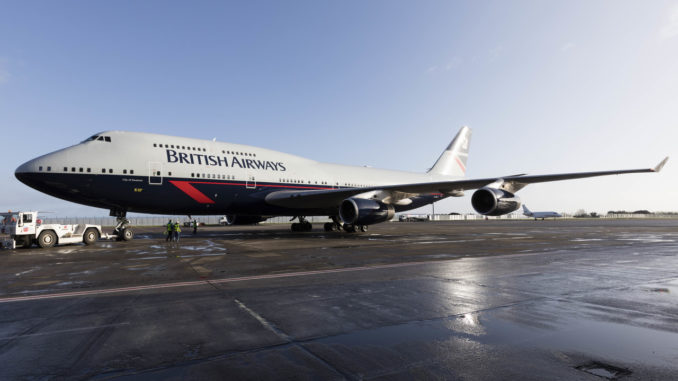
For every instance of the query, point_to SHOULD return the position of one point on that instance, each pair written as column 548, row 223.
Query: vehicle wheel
column 328, row 226
column 47, row 239
column 349, row 228
column 363, row 228
column 24, row 242
column 127, row 234
column 91, row 236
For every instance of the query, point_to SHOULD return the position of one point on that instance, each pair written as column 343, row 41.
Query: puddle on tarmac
column 668, row 288
column 645, row 238
column 450, row 241
column 614, row 342
column 608, row 371
column 148, row 258
column 202, row 255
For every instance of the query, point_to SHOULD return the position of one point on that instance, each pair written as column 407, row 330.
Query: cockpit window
column 99, row 138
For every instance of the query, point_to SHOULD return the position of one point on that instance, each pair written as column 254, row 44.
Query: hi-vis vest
column 177, row 228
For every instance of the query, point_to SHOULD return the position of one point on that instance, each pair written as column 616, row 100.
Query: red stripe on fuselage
column 190, row 190
column 186, row 187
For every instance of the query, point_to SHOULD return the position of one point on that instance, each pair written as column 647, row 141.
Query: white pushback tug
column 25, row 229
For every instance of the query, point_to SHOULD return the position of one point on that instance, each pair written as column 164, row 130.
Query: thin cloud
column 452, row 64
column 670, row 30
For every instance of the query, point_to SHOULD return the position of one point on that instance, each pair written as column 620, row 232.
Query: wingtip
column 660, row 165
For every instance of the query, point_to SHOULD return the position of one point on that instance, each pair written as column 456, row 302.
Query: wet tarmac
column 481, row 300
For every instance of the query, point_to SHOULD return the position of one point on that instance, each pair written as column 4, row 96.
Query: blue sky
column 547, row 87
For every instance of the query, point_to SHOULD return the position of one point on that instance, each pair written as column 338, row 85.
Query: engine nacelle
column 494, row 202
column 235, row 219
column 360, row 211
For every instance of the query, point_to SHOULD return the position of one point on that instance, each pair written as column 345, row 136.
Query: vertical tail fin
column 526, row 211
column 452, row 162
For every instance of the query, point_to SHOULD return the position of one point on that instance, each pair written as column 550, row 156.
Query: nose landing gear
column 121, row 230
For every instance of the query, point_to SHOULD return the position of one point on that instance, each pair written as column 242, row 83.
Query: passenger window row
column 173, row 146
column 189, row 148
column 212, row 176
column 89, row 170
column 294, row 181
column 238, row 153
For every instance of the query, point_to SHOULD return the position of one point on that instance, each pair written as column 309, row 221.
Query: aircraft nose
column 25, row 172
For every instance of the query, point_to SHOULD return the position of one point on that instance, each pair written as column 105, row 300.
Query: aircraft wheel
column 295, row 227
column 127, row 234
column 91, row 236
column 349, row 228
column 328, row 226
column 47, row 239
column 306, row 226
column 363, row 228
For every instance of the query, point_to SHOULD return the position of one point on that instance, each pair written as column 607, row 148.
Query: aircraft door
column 154, row 173
column 251, row 182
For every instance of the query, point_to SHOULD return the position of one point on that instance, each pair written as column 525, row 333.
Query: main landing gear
column 337, row 226
column 302, row 226
column 334, row 226
column 121, row 230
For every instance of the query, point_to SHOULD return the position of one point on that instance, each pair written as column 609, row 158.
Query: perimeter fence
column 215, row 220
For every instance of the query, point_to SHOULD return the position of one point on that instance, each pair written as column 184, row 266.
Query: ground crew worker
column 195, row 227
column 170, row 228
column 177, row 230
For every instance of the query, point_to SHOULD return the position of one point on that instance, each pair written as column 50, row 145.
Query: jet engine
column 360, row 211
column 494, row 202
column 235, row 219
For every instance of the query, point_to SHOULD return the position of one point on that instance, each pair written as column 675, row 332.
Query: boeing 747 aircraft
column 150, row 173
column 536, row 215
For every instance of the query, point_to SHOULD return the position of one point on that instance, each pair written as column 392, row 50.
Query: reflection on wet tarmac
column 488, row 300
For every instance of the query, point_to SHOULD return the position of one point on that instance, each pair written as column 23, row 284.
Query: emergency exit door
column 154, row 173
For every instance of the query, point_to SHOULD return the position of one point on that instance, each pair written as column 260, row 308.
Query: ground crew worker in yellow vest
column 177, row 230
column 170, row 228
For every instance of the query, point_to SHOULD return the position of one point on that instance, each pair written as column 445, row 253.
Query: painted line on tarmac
column 64, row 331
column 208, row 282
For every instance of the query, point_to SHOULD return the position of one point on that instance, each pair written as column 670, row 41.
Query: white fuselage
column 133, row 165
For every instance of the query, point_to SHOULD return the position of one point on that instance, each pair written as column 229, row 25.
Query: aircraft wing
column 330, row 197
